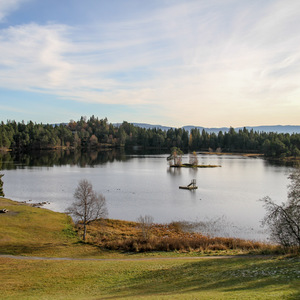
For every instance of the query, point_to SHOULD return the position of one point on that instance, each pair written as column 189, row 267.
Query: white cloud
column 197, row 59
column 31, row 57
column 8, row 6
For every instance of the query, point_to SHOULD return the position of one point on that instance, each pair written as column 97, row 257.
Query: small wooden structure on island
column 191, row 186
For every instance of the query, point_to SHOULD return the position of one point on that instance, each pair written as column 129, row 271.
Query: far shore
column 233, row 153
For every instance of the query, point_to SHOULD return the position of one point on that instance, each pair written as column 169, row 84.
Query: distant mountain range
column 275, row 128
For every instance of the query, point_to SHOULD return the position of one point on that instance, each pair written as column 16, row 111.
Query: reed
column 127, row 236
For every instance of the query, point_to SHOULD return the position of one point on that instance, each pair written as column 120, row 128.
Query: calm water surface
column 134, row 185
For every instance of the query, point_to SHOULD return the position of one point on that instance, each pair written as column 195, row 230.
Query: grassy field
column 231, row 278
column 30, row 231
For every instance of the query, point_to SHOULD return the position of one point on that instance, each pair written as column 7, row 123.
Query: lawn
column 229, row 278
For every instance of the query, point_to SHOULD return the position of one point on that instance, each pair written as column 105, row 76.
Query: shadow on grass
column 26, row 249
column 230, row 276
column 50, row 249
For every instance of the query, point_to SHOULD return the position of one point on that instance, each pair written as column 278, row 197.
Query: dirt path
column 133, row 259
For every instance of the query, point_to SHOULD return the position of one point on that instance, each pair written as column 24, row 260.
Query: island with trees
column 175, row 160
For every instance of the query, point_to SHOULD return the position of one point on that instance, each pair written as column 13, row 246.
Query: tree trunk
column 84, row 231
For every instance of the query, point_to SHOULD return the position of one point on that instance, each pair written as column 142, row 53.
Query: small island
column 194, row 166
column 176, row 157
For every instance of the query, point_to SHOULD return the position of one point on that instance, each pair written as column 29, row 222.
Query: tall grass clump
column 130, row 237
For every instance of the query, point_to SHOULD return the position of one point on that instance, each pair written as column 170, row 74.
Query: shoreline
column 195, row 166
column 233, row 153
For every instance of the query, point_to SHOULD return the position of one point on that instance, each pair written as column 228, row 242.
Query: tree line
column 95, row 133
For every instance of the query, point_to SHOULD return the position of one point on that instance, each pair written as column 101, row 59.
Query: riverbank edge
column 67, row 237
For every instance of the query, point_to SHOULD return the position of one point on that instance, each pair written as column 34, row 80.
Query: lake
column 225, row 203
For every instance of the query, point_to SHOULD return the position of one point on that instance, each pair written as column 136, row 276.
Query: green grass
column 32, row 231
column 232, row 278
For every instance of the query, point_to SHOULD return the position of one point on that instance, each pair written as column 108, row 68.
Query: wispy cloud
column 188, row 58
column 8, row 6
column 13, row 109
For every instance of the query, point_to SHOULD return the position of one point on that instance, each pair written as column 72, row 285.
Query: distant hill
column 274, row 128
column 149, row 126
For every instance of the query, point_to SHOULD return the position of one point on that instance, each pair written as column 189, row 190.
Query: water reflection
column 15, row 160
column 11, row 160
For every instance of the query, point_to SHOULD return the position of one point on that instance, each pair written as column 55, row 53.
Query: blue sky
column 169, row 62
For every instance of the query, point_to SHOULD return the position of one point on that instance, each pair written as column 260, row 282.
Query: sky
column 208, row 63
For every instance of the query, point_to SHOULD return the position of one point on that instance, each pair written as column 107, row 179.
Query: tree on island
column 284, row 220
column 88, row 205
column 1, row 186
column 193, row 158
column 176, row 155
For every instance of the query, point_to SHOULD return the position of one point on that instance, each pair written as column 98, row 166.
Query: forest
column 95, row 133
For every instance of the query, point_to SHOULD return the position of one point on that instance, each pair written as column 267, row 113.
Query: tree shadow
column 222, row 275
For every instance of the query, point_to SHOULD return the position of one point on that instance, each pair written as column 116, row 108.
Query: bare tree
column 145, row 223
column 88, row 204
column 193, row 158
column 284, row 220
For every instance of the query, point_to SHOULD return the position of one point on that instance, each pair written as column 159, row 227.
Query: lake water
column 226, row 199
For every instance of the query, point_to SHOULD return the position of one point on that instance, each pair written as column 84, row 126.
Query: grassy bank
column 31, row 231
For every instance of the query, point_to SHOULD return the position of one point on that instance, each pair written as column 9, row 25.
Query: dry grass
column 127, row 236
